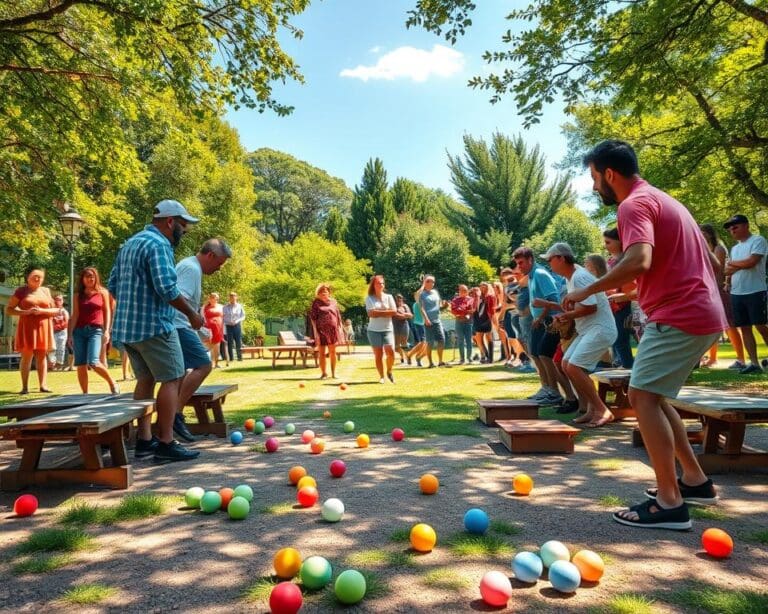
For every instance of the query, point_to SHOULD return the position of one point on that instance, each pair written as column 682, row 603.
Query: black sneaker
column 181, row 430
column 703, row 494
column 174, row 451
column 145, row 448
column 567, row 407
column 750, row 369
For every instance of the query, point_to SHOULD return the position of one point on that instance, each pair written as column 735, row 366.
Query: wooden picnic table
column 29, row 409
column 210, row 397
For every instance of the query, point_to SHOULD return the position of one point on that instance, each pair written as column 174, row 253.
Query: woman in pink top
column 462, row 308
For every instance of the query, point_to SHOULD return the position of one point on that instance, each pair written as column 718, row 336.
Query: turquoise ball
column 244, row 491
column 210, row 502
column 564, row 576
column 527, row 566
column 315, row 572
column 350, row 586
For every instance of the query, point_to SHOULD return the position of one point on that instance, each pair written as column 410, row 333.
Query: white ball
column 333, row 510
column 553, row 551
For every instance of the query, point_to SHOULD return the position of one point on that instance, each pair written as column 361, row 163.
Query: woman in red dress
column 326, row 327
column 213, row 313
column 34, row 306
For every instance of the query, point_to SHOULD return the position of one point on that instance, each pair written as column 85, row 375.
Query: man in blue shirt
column 543, row 344
column 430, row 303
column 144, row 284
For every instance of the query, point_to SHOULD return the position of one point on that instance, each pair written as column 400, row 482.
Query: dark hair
column 612, row 233
column 616, row 155
column 32, row 267
column 569, row 258
column 709, row 233
column 523, row 252
column 81, row 284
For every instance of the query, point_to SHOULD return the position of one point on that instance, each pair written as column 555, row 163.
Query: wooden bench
column 291, row 348
column 38, row 407
column 91, row 426
column 210, row 398
column 612, row 388
column 256, row 350
column 526, row 436
column 491, row 410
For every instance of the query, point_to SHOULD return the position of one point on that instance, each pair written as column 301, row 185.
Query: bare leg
column 167, row 402
column 321, row 357
column 190, row 383
column 145, row 389
column 548, row 372
column 332, row 358
column 377, row 354
column 82, row 377
column 390, row 352
column 564, row 381
column 42, row 369
column 749, row 343
column 25, row 366
column 101, row 370
column 763, row 330
column 738, row 345
column 600, row 414
column 440, row 348
column 692, row 474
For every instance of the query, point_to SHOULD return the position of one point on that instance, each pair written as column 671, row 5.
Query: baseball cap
column 173, row 208
column 736, row 219
column 558, row 249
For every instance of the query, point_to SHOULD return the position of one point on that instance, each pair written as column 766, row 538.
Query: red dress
column 327, row 320
column 214, row 320
column 34, row 332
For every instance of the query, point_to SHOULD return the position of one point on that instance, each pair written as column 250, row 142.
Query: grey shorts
column 158, row 357
column 379, row 339
column 665, row 358
column 435, row 333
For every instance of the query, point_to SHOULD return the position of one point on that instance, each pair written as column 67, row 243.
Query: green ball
column 349, row 426
column 290, row 428
column 350, row 586
column 238, row 508
column 210, row 502
column 244, row 491
column 259, row 427
column 193, row 495
column 315, row 572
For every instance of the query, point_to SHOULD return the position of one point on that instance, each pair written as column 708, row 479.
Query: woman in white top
column 381, row 307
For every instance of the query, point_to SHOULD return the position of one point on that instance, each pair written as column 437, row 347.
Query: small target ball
column 249, row 424
column 564, row 576
column 332, row 510
column 236, row 437
column 423, row 538
column 350, row 586
column 363, row 440
column 290, row 428
column 210, row 502
column 296, row 473
column 302, row 385
column 315, row 572
column 342, row 386
column 192, row 496
column 476, row 521
column 307, row 436
column 349, row 426
column 552, row 551
column 259, row 427
column 285, row 598
column 495, row 589
column 398, row 434
column 717, row 543
column 338, row 468
column 589, row 564
column 268, row 421
column 326, row 414
column 287, row 562
column 244, row 491
column 307, row 496
column 316, row 446
column 429, row 484
column 26, row 505
column 226, row 495
column 522, row 484
column 527, row 566
column 306, row 481
column 238, row 508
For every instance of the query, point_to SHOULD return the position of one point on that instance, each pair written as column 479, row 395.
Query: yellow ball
column 287, row 563
column 307, row 480
column 363, row 440
column 589, row 564
column 522, row 484
column 423, row 538
column 429, row 484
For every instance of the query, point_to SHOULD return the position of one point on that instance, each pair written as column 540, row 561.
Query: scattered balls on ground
column 527, row 566
column 564, row 576
column 315, row 573
column 307, row 436
column 398, row 434
column 717, row 543
column 259, row 427
column 287, row 563
column 363, row 440
column 429, row 484
column 193, row 495
column 244, row 491
column 589, row 564
column 423, row 537
column 26, row 505
column 210, row 502
column 522, row 484
column 226, row 495
column 495, row 589
column 350, row 586
column 295, row 473
column 476, row 521
column 290, row 428
column 285, row 598
column 307, row 496
column 306, row 480
column 249, row 424
column 349, row 426
column 552, row 551
column 268, row 421
column 236, row 437
column 238, row 508
column 317, row 445
column 272, row 444
column 332, row 510
column 338, row 468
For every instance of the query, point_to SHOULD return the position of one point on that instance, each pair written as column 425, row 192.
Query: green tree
column 410, row 250
column 294, row 197
column 504, row 185
column 286, row 280
column 372, row 211
column 335, row 226
column 478, row 270
column 418, row 201
column 572, row 226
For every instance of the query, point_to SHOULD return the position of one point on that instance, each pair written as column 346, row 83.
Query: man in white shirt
column 746, row 270
column 197, row 362
column 234, row 314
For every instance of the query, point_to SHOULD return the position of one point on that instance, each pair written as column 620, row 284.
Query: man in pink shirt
column 665, row 252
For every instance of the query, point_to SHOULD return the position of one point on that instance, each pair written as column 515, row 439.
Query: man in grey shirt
column 234, row 314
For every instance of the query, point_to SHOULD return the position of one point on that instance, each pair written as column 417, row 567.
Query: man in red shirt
column 666, row 253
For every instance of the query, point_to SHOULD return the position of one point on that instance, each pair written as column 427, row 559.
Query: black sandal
column 676, row 518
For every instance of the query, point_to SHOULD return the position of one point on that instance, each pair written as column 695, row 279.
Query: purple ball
column 268, row 421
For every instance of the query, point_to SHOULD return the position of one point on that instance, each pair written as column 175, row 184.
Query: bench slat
column 214, row 391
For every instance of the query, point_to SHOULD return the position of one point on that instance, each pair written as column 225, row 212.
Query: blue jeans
column 86, row 343
column 622, row 348
column 464, row 339
column 235, row 341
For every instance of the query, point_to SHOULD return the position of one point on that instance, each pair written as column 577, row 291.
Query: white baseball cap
column 173, row 208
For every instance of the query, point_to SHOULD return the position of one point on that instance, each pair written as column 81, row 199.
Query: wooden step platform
column 491, row 410
column 525, row 436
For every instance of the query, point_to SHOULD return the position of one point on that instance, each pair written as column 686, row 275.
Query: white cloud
column 375, row 49
column 410, row 63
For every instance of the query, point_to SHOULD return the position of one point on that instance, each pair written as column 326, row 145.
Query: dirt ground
column 191, row 562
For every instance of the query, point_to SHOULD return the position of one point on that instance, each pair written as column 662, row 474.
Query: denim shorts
column 435, row 333
column 158, row 357
column 418, row 332
column 86, row 342
column 192, row 348
column 379, row 339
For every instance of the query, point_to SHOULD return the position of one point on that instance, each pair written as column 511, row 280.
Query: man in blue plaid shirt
column 143, row 282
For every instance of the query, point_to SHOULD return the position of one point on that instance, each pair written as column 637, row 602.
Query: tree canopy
column 574, row 227
column 371, row 213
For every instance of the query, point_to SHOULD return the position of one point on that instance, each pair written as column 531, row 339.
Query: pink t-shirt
column 680, row 288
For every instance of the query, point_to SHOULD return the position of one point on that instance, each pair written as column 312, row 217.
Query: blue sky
column 376, row 89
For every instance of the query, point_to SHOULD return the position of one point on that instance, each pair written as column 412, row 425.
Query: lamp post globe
column 72, row 225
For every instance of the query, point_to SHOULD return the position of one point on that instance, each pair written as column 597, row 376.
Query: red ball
column 25, row 505
column 272, row 444
column 285, row 598
column 717, row 543
column 338, row 468
column 398, row 434
column 307, row 496
column 226, row 495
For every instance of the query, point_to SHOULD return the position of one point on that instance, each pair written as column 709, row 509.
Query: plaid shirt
column 143, row 282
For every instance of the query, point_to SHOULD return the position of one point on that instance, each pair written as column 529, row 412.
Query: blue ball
column 527, row 566
column 564, row 576
column 236, row 437
column 476, row 521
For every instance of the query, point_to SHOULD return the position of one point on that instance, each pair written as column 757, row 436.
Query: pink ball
column 398, row 434
column 272, row 444
column 268, row 421
column 338, row 468
column 495, row 589
column 285, row 598
column 25, row 505
column 307, row 436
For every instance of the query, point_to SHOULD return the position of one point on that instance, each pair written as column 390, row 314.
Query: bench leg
column 205, row 426
column 30, row 456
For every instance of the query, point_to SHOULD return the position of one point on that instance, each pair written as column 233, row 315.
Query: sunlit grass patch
column 612, row 501
column 87, row 594
column 607, row 464
column 473, row 546
column 721, row 601
column 400, row 535
column 56, row 540
column 42, row 563
column 131, row 507
column 259, row 590
column 426, row 452
column 260, row 448
column 706, row 513
column 81, row 513
column 505, row 528
column 626, row 604
column 446, row 579
column 375, row 587
column 380, row 557
column 278, row 509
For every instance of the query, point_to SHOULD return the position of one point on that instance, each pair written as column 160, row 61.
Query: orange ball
column 317, row 446
column 343, row 386
column 523, row 484
column 249, row 424
column 301, row 384
column 287, row 563
column 226, row 495
column 363, row 440
column 717, row 543
column 296, row 473
column 429, row 484
column 306, row 481
column 423, row 538
column 589, row 564
column 326, row 414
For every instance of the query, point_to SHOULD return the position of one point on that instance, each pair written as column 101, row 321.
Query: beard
column 607, row 195
column 178, row 232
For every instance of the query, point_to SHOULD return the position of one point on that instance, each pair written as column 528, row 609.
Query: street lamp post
column 71, row 227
